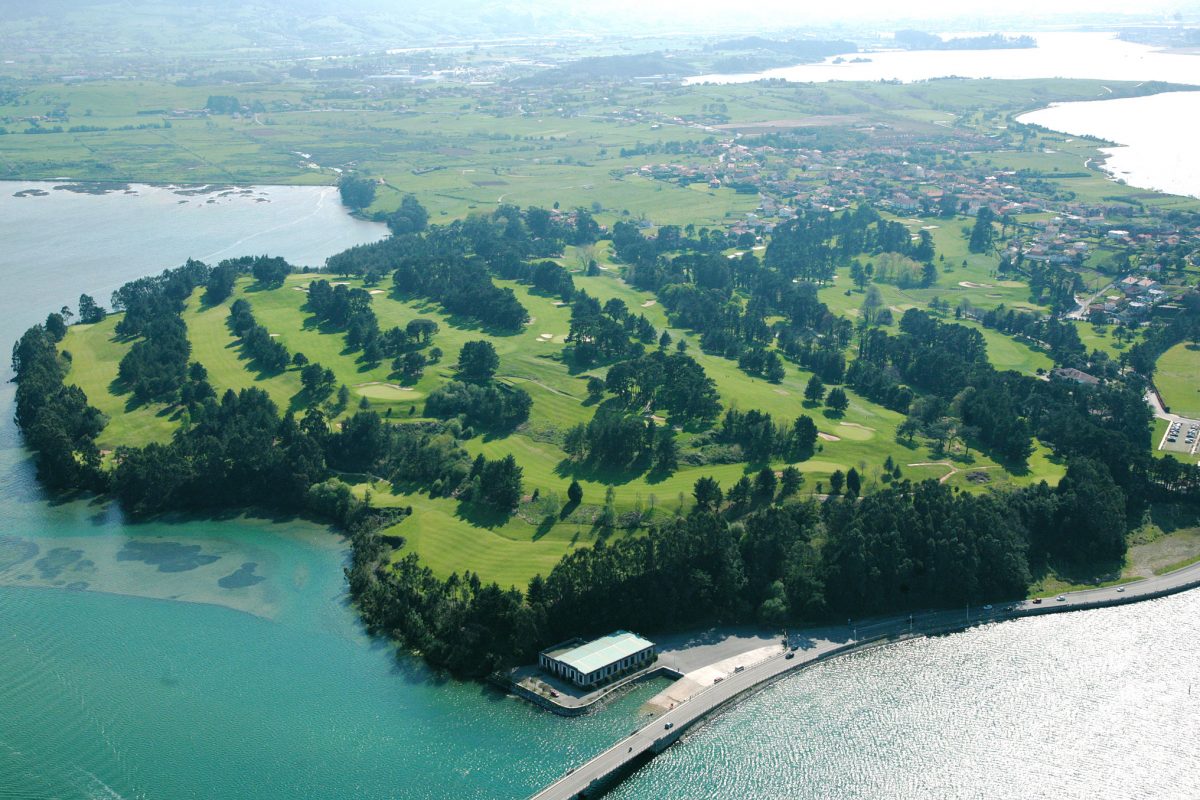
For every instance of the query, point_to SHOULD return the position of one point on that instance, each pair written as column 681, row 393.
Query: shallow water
column 249, row 676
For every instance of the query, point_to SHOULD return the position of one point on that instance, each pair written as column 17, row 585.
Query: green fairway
column 513, row 549
column 1177, row 377
column 96, row 354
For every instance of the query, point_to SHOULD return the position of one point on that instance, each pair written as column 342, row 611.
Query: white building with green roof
column 600, row 660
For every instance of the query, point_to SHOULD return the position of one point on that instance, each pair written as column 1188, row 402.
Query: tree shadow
column 304, row 400
column 595, row 473
column 544, row 527
column 1090, row 572
column 1172, row 517
column 259, row 286
column 481, row 516
column 568, row 509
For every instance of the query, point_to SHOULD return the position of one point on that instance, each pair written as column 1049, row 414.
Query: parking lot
column 1182, row 436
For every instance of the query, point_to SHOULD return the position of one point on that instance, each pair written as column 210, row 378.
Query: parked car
column 790, row 655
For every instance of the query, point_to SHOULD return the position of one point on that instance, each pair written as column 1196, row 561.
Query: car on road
column 790, row 655
column 1120, row 588
column 1060, row 598
column 1037, row 601
column 668, row 726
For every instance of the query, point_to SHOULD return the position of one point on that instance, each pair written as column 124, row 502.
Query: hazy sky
column 799, row 11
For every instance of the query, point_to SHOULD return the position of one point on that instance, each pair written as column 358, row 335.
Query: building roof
column 601, row 652
column 1070, row 373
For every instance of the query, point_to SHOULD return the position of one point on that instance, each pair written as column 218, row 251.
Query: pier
column 599, row 774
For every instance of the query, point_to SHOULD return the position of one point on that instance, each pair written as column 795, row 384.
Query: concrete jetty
column 597, row 775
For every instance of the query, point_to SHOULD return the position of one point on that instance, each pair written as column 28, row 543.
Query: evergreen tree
column 814, row 390
column 853, row 482
column 837, row 400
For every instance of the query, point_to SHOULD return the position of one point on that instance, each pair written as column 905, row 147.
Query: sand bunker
column 375, row 291
column 379, row 390
column 301, row 289
column 829, row 437
column 973, row 285
column 545, row 337
column 649, row 303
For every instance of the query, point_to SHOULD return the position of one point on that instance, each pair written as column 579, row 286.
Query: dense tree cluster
column 761, row 438
column 58, row 423
column 613, row 440
column 601, row 334
column 674, row 383
column 257, row 343
column 492, row 406
column 155, row 366
column 349, row 309
column 357, row 191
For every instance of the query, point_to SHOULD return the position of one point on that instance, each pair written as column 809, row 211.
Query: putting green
column 856, row 433
column 387, row 391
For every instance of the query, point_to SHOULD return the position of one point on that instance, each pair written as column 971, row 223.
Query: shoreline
column 604, row 771
column 1106, row 147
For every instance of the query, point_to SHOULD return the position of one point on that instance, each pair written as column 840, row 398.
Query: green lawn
column 513, row 549
column 1177, row 377
column 95, row 356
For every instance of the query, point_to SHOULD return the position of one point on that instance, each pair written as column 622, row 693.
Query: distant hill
column 920, row 40
column 800, row 48
column 613, row 67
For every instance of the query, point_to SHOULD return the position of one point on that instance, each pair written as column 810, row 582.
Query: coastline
column 607, row 769
column 1124, row 155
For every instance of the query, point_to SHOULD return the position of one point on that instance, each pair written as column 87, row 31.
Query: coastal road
column 587, row 779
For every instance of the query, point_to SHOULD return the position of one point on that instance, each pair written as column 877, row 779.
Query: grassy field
column 511, row 550
column 96, row 353
column 1177, row 377
column 459, row 156
column 468, row 148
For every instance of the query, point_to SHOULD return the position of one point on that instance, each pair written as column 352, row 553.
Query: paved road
column 664, row 730
column 1081, row 309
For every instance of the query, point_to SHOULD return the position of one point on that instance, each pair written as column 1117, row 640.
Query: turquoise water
column 214, row 658
column 219, row 659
